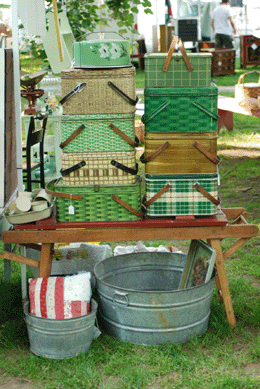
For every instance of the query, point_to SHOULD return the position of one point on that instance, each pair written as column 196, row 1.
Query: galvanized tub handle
column 121, row 298
column 205, row 110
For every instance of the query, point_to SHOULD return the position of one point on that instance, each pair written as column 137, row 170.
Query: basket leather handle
column 206, row 194
column 122, row 94
column 157, row 195
column 150, row 157
column 60, row 194
column 177, row 40
column 123, row 135
column 205, row 110
column 125, row 168
column 241, row 78
column 72, row 136
column 126, row 206
column 146, row 119
column 65, row 172
column 203, row 150
column 78, row 89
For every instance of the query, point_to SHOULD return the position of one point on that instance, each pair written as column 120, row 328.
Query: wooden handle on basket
column 207, row 154
column 163, row 147
column 123, row 135
column 126, row 206
column 60, row 194
column 177, row 40
column 157, row 195
column 207, row 194
column 241, row 78
column 72, row 136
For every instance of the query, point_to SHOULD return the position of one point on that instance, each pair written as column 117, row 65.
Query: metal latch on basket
column 65, row 172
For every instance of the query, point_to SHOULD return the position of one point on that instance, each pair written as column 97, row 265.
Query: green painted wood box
column 181, row 109
column 178, row 74
column 182, row 198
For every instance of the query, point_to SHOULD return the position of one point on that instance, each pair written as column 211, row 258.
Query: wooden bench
column 227, row 106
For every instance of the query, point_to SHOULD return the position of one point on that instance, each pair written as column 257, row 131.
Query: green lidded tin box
column 99, row 53
column 98, row 203
column 181, row 109
column 178, row 74
column 183, row 196
column 97, row 134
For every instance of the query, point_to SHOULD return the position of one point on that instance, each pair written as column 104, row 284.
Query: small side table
column 53, row 133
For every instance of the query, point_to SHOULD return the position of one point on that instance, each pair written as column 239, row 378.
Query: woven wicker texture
column 246, row 94
column 97, row 136
column 97, row 203
column 181, row 157
column 181, row 109
column 97, row 97
column 98, row 169
column 178, row 73
column 182, row 198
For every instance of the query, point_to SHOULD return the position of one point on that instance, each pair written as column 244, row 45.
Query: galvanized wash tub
column 139, row 300
column 59, row 339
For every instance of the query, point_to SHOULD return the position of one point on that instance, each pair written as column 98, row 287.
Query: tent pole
column 17, row 94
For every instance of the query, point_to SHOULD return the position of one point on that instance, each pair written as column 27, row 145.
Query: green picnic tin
column 182, row 194
column 177, row 73
column 97, row 134
column 98, row 202
column 181, row 109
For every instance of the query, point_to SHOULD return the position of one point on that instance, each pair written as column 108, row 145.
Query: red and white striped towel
column 60, row 297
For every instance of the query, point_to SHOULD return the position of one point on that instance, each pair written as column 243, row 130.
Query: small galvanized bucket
column 59, row 339
column 140, row 301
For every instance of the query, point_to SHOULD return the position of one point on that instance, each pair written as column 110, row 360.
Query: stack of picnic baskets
column 181, row 162
column 99, row 169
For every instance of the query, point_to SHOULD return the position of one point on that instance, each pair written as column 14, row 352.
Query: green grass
column 223, row 358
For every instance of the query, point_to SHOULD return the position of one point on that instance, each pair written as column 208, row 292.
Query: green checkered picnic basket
column 178, row 74
column 181, row 109
column 172, row 195
column 103, row 91
column 87, row 203
column 118, row 167
column 98, row 134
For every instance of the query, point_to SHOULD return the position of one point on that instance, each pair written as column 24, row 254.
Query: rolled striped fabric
column 60, row 297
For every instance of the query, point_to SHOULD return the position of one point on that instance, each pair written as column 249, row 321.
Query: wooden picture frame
column 199, row 265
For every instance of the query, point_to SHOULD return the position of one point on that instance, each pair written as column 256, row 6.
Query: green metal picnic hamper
column 101, row 168
column 178, row 74
column 87, row 203
column 97, row 134
column 172, row 195
column 106, row 91
column 180, row 153
column 181, row 109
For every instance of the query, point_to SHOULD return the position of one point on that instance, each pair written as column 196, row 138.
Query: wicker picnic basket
column 178, row 73
column 101, row 168
column 104, row 91
column 93, row 133
column 87, row 203
column 172, row 195
column 246, row 94
column 181, row 109
column 180, row 153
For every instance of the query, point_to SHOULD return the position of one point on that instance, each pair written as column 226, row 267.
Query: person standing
column 222, row 25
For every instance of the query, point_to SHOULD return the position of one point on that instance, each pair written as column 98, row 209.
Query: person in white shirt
column 222, row 25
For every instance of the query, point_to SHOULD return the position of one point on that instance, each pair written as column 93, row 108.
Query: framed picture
column 199, row 265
